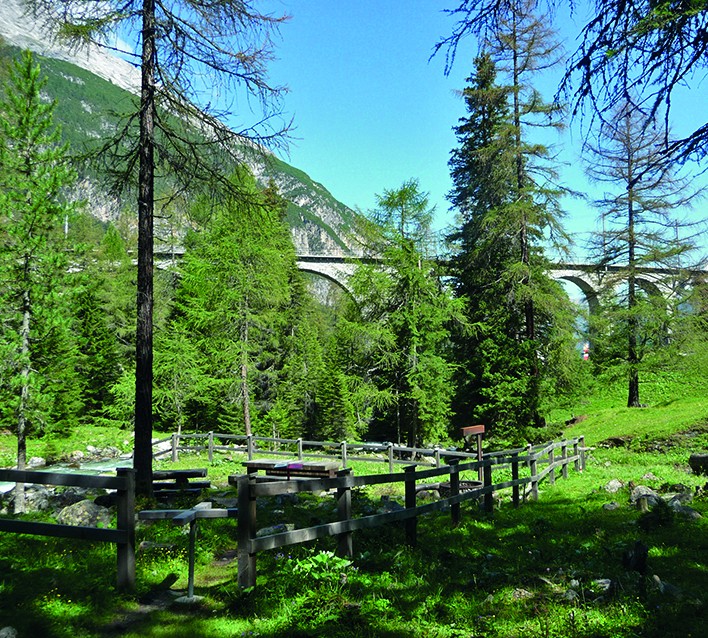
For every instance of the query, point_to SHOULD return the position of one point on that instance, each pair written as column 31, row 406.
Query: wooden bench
column 170, row 482
column 292, row 469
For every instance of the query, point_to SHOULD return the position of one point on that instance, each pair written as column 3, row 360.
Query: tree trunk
column 19, row 506
column 142, row 458
column 244, row 380
column 632, row 325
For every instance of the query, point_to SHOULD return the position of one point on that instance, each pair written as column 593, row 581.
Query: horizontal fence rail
column 124, row 533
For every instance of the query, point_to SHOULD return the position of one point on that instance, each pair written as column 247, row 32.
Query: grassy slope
column 535, row 571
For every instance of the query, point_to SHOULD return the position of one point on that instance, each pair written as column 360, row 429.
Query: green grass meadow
column 549, row 568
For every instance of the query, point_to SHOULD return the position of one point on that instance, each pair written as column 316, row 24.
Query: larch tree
column 191, row 54
column 646, row 51
column 646, row 195
column 34, row 173
column 402, row 321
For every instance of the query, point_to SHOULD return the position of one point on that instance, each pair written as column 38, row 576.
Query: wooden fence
column 124, row 533
column 555, row 456
column 343, row 451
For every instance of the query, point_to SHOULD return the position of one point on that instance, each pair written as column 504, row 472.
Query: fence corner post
column 436, row 452
column 246, row 531
column 390, row 458
column 410, row 503
column 249, row 446
column 175, row 447
column 299, row 449
column 551, row 463
column 210, row 451
column 126, row 523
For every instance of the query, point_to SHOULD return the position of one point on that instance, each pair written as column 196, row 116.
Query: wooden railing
column 343, row 451
column 124, row 533
column 251, row 487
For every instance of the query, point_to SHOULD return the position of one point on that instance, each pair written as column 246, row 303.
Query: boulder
column 699, row 463
column 85, row 514
column 642, row 491
column 614, row 486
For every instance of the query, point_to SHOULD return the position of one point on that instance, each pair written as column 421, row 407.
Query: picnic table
column 291, row 469
column 169, row 482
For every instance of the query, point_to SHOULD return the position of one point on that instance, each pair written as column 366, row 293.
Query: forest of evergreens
column 421, row 347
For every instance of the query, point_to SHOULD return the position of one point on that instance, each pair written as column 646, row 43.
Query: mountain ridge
column 319, row 223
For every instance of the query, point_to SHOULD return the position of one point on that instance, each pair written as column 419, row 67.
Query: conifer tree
column 506, row 209
column 640, row 224
column 33, row 260
column 401, row 324
column 188, row 51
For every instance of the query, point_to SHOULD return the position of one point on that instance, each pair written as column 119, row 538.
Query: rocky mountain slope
column 90, row 85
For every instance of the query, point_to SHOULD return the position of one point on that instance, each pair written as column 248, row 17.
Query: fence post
column 246, row 531
column 211, row 447
column 345, row 546
column 249, row 447
column 534, row 477
column 126, row 522
column 576, row 454
column 455, row 490
column 390, row 458
column 437, row 456
column 551, row 460
column 487, row 481
column 175, row 446
column 515, row 477
column 299, row 449
column 410, row 502
column 529, row 452
column 582, row 453
column 564, row 457
column 344, row 454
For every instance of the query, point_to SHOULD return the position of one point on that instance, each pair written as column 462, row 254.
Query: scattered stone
column 687, row 512
column 613, row 505
column 85, row 514
column 570, row 595
column 642, row 491
column 649, row 476
column 189, row 600
column 666, row 588
column 674, row 500
column 428, row 495
column 616, row 441
column 76, row 456
column 36, row 461
column 521, row 594
column 8, row 632
column 614, row 486
column 699, row 463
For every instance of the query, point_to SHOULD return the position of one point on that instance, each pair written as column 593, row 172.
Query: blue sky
column 371, row 110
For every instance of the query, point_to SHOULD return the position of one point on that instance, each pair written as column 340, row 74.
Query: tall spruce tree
column 34, row 172
column 506, row 211
column 640, row 227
